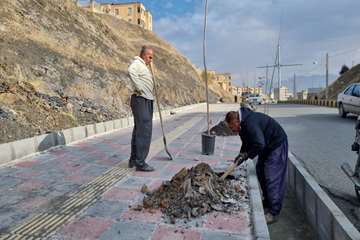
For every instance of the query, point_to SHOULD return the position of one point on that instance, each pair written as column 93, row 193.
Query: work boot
column 131, row 163
column 270, row 219
column 145, row 168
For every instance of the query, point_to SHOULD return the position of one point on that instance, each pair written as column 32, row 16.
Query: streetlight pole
column 327, row 77
column 294, row 87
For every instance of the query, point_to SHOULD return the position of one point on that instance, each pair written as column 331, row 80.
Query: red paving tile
column 88, row 228
column 147, row 216
column 26, row 164
column 117, row 194
column 165, row 232
column 30, row 174
column 237, row 222
column 176, row 167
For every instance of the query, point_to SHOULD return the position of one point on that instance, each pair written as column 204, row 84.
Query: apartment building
column 224, row 81
column 284, row 94
column 133, row 12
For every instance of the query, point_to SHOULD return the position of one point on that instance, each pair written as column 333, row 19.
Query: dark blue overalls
column 262, row 136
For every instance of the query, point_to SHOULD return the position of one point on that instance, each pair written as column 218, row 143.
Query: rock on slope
column 61, row 66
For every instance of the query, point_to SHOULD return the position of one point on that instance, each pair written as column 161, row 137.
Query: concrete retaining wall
column 24, row 147
column 326, row 103
column 327, row 220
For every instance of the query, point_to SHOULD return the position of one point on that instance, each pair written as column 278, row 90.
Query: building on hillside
column 313, row 93
column 309, row 93
column 250, row 90
column 133, row 12
column 224, row 81
column 284, row 94
column 236, row 91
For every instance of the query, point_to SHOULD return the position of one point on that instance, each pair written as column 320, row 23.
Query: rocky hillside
column 351, row 76
column 61, row 66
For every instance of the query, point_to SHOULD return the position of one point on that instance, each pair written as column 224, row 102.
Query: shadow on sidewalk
column 292, row 223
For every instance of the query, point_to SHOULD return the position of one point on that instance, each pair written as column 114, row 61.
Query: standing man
column 262, row 136
column 142, row 108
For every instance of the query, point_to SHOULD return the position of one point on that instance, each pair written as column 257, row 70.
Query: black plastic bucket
column 207, row 144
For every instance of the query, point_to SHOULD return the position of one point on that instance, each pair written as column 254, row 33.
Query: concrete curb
column 14, row 150
column 328, row 221
column 260, row 228
column 325, row 103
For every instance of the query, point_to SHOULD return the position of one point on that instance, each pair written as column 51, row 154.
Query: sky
column 243, row 34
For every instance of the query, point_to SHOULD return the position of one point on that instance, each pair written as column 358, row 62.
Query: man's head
column 233, row 121
column 146, row 54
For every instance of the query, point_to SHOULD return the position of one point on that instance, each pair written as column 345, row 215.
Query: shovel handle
column 231, row 168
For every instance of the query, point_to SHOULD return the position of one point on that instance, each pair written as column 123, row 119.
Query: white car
column 255, row 99
column 349, row 100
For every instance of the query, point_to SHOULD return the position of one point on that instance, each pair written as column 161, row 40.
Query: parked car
column 349, row 100
column 255, row 99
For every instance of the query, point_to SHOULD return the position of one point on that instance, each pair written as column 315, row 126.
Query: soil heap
column 195, row 192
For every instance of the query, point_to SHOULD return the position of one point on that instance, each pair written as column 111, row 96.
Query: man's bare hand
column 242, row 157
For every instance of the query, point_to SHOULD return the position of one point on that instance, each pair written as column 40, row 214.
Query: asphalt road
column 322, row 141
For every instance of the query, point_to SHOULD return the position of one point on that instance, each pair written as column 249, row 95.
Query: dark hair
column 144, row 49
column 231, row 116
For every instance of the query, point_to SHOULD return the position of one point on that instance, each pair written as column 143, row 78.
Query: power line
column 344, row 52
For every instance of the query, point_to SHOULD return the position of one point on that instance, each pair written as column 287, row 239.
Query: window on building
column 129, row 11
column 117, row 11
column 139, row 22
column 138, row 9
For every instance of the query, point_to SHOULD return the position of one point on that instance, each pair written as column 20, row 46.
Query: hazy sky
column 242, row 34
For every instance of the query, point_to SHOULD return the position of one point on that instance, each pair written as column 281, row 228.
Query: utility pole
column 278, row 65
column 327, row 77
column 266, row 79
column 279, row 71
column 294, row 87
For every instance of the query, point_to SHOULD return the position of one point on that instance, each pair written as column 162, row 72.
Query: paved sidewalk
column 85, row 176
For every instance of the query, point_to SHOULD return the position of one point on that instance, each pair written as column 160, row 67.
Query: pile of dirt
column 222, row 129
column 74, row 64
column 194, row 192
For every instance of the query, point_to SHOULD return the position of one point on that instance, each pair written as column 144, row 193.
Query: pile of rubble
column 194, row 192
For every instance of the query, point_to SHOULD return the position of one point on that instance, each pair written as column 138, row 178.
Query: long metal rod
column 205, row 69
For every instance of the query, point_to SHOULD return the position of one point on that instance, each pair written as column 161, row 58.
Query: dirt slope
column 61, row 66
column 351, row 76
